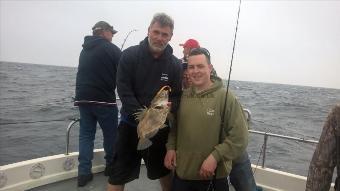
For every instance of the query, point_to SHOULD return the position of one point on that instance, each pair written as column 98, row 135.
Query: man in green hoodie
column 199, row 151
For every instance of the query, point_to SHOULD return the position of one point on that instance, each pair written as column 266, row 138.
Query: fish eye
column 158, row 107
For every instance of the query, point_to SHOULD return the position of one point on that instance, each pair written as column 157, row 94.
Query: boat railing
column 265, row 141
column 70, row 125
column 247, row 112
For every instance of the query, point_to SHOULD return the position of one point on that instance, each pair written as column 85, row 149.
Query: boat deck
column 99, row 183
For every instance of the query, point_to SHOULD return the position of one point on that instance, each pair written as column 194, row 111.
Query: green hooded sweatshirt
column 196, row 134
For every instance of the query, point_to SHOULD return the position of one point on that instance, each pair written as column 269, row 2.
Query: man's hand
column 208, row 167
column 170, row 159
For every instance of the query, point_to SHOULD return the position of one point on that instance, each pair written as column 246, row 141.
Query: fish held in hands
column 152, row 118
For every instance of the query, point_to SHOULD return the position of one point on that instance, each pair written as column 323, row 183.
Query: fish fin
column 143, row 144
column 164, row 125
column 140, row 114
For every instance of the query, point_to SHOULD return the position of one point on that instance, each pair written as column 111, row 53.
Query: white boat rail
column 265, row 140
column 70, row 125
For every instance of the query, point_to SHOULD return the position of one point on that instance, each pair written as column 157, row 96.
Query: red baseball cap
column 190, row 43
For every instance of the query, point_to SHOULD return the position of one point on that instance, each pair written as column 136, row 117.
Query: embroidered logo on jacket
column 164, row 77
column 210, row 112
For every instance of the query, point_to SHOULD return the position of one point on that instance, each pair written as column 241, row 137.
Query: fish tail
column 143, row 143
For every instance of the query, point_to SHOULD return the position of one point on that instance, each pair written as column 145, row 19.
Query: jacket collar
column 217, row 84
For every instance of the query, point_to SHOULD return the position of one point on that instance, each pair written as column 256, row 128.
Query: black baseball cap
column 102, row 25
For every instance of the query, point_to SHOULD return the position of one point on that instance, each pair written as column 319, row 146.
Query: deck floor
column 99, row 183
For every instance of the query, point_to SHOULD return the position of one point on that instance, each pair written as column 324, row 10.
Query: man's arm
column 176, row 86
column 170, row 157
column 235, row 132
column 324, row 158
column 114, row 53
column 125, row 77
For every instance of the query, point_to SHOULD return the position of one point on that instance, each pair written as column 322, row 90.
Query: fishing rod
column 231, row 65
column 232, row 54
column 212, row 182
column 127, row 36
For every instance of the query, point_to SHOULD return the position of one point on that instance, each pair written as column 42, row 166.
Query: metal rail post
column 70, row 125
column 264, row 149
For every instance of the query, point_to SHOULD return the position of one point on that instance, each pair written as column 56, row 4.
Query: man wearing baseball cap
column 104, row 29
column 95, row 97
column 187, row 47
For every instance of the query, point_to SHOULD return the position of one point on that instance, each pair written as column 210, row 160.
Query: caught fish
column 152, row 119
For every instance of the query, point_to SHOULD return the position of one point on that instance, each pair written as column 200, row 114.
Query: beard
column 155, row 48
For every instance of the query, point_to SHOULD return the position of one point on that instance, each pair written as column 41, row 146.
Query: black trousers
column 179, row 184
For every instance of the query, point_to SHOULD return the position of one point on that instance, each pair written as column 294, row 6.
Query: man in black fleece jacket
column 95, row 96
column 143, row 70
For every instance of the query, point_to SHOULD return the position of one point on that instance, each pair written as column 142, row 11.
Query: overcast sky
column 288, row 42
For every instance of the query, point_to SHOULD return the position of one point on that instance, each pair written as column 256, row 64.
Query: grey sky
column 289, row 42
